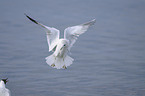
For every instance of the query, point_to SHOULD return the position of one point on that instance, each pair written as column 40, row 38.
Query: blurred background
column 109, row 57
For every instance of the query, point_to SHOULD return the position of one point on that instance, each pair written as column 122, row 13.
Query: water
column 109, row 57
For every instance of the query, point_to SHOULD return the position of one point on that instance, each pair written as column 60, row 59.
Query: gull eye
column 64, row 45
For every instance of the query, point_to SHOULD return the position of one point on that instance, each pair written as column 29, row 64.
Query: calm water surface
column 109, row 57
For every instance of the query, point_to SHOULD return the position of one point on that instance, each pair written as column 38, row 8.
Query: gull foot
column 64, row 67
column 53, row 65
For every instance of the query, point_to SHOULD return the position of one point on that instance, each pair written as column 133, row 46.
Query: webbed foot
column 53, row 65
column 64, row 67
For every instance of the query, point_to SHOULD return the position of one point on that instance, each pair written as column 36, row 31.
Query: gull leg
column 64, row 67
column 53, row 65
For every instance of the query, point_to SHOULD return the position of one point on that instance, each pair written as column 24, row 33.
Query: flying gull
column 61, row 46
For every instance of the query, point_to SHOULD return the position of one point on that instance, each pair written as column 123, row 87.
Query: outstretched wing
column 72, row 33
column 52, row 34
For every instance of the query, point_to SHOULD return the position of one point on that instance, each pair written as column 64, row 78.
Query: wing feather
column 72, row 33
column 51, row 33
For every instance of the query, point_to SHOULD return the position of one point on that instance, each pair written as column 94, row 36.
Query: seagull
column 3, row 90
column 61, row 46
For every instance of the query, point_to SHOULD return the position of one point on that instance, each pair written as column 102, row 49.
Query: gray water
column 109, row 57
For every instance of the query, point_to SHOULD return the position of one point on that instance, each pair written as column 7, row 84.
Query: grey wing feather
column 51, row 33
column 72, row 33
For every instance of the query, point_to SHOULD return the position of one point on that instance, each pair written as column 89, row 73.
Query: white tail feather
column 59, row 62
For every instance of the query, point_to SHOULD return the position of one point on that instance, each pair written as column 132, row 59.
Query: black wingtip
column 30, row 18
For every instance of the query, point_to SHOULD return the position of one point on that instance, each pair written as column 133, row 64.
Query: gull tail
column 59, row 62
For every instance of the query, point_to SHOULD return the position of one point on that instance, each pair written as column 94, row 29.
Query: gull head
column 61, row 48
column 63, row 44
column 5, row 80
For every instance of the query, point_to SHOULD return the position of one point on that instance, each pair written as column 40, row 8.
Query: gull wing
column 51, row 33
column 72, row 33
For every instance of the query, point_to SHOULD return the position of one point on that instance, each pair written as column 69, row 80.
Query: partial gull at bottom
column 3, row 90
